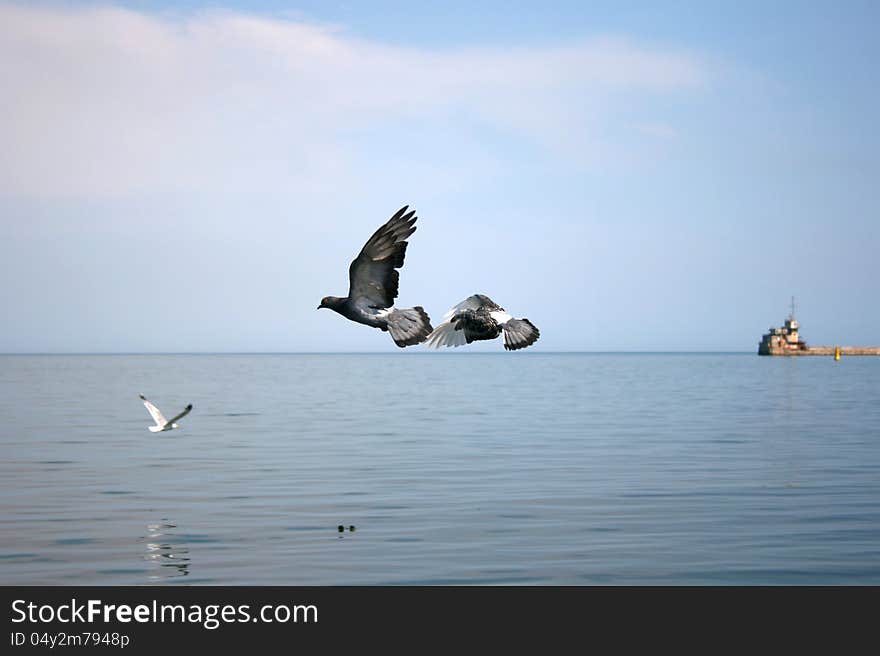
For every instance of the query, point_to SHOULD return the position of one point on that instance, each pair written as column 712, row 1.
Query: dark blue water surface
column 523, row 468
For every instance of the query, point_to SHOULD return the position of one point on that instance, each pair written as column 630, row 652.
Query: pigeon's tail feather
column 446, row 335
column 409, row 327
column 519, row 333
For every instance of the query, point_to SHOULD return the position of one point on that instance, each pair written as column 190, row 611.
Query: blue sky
column 629, row 176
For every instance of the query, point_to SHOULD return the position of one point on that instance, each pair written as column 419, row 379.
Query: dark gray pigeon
column 373, row 280
column 477, row 318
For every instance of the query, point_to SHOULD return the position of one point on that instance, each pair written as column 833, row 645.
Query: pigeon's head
column 331, row 302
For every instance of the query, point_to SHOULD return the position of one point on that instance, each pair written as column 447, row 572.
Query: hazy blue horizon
column 408, row 352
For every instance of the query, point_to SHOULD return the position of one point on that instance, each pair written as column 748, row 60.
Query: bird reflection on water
column 165, row 551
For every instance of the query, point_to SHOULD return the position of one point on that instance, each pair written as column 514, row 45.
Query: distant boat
column 787, row 341
column 783, row 341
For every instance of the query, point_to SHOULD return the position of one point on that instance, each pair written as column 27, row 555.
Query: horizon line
column 422, row 352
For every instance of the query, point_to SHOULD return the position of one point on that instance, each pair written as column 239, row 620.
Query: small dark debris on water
column 341, row 528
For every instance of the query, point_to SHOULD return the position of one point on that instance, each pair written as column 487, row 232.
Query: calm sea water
column 456, row 468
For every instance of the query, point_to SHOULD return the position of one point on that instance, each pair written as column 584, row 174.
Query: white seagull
column 478, row 317
column 162, row 424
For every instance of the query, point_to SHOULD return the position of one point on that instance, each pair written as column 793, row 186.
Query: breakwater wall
column 828, row 350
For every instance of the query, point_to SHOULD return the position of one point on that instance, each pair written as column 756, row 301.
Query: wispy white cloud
column 106, row 101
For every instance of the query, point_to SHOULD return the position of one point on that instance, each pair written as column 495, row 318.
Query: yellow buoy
column 837, row 353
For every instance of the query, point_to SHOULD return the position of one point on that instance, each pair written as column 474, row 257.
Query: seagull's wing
column 474, row 302
column 154, row 412
column 184, row 413
column 372, row 276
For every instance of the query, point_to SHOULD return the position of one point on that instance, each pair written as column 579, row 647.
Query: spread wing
column 184, row 413
column 475, row 302
column 520, row 333
column 372, row 276
column 154, row 412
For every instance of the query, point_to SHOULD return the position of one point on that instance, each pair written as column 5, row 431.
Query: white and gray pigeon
column 373, row 281
column 477, row 318
column 163, row 424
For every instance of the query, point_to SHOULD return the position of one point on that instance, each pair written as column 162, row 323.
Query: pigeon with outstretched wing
column 373, row 281
column 479, row 318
